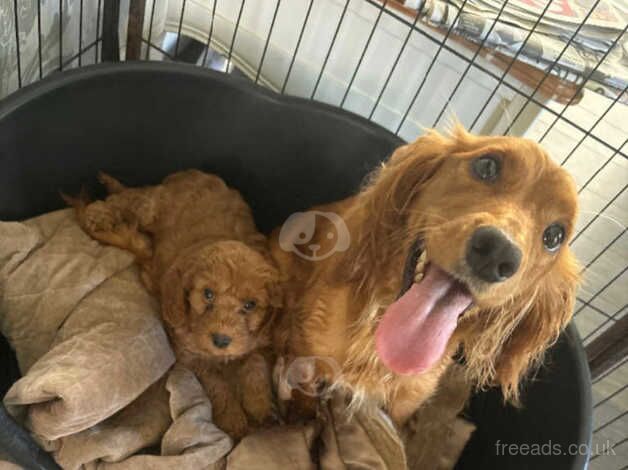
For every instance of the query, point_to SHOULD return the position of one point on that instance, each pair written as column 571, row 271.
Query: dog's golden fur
column 202, row 256
column 426, row 190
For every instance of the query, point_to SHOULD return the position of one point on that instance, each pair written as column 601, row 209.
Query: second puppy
column 202, row 256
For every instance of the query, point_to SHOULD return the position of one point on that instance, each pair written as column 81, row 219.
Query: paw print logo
column 298, row 231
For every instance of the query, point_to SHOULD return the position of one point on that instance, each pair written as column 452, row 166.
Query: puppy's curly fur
column 426, row 191
column 202, row 256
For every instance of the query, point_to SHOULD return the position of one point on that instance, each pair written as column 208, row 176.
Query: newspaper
column 566, row 38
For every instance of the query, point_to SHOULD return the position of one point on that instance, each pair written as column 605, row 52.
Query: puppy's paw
column 259, row 407
column 256, row 387
column 233, row 421
column 98, row 217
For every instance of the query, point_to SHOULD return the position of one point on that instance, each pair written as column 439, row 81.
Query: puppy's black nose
column 221, row 341
column 491, row 256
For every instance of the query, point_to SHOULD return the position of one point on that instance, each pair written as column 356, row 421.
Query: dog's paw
column 311, row 376
column 300, row 383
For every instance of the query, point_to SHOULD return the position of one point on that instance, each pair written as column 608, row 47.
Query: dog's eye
column 209, row 294
column 249, row 305
column 553, row 236
column 486, row 168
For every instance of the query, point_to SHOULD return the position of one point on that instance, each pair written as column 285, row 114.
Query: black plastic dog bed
column 142, row 121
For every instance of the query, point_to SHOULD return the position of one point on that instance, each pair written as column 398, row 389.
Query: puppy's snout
column 492, row 256
column 221, row 341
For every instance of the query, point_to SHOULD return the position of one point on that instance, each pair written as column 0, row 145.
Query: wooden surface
column 551, row 88
column 135, row 27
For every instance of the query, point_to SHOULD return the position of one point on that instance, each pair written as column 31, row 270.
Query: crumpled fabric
column 87, row 335
column 172, row 418
column 335, row 441
column 100, row 387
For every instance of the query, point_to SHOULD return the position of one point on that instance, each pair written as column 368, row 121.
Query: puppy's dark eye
column 486, row 168
column 553, row 236
column 208, row 294
column 249, row 305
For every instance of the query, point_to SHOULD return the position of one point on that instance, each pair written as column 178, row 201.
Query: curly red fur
column 201, row 254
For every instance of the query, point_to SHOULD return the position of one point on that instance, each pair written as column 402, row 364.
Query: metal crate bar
column 605, row 323
column 588, row 133
column 510, row 65
column 615, row 446
column 609, row 422
column 98, row 29
column 366, row 46
column 296, row 49
column 270, row 33
column 110, row 39
column 586, row 303
column 468, row 67
column 17, row 45
column 598, row 215
column 150, row 28
column 331, row 46
column 608, row 245
column 176, row 46
column 235, row 33
column 604, row 287
column 80, row 38
column 159, row 49
column 80, row 53
column 609, row 372
column 396, row 62
column 211, row 32
column 41, row 72
column 611, row 396
column 551, row 67
column 429, row 69
column 584, row 82
column 505, row 83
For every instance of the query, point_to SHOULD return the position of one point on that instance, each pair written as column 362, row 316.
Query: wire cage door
column 406, row 66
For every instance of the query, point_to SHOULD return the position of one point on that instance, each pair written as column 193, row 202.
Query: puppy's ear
column 550, row 311
column 173, row 296
column 386, row 199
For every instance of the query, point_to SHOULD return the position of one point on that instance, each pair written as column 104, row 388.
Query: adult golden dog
column 458, row 247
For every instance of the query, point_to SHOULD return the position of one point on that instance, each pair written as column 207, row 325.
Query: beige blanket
column 99, row 389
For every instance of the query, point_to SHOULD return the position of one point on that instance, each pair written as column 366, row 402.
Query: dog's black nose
column 221, row 341
column 491, row 256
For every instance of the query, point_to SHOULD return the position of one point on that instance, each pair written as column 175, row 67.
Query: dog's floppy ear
column 511, row 341
column 385, row 200
column 549, row 313
column 275, row 293
column 267, row 329
column 173, row 296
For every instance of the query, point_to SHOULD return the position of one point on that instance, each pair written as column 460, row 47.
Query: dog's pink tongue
column 414, row 331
